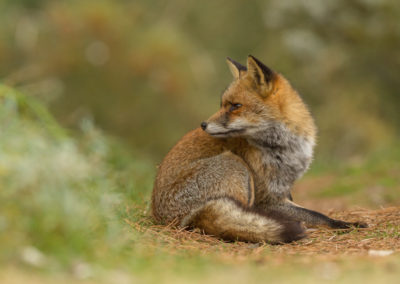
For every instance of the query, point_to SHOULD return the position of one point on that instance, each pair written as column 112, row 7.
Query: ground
column 382, row 235
column 369, row 255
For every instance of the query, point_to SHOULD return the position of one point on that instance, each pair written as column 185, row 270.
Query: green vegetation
column 370, row 181
column 67, row 197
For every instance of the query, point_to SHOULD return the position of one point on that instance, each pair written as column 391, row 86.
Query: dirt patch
column 383, row 234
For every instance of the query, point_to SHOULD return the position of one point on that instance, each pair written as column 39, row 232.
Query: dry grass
column 325, row 255
column 383, row 234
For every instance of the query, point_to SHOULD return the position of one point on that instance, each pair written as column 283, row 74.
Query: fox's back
column 193, row 146
column 177, row 171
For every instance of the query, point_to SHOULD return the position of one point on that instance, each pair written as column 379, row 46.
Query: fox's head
column 255, row 99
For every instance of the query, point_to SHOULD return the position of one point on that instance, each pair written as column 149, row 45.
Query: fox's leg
column 222, row 176
column 225, row 175
column 314, row 218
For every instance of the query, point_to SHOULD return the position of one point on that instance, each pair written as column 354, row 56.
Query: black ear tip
column 239, row 66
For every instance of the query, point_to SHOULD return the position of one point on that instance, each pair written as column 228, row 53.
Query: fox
column 232, row 176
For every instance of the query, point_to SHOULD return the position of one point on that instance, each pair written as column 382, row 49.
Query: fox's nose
column 203, row 125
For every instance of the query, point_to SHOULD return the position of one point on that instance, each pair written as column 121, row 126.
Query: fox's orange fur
column 233, row 178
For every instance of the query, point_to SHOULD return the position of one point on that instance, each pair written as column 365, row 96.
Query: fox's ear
column 260, row 75
column 236, row 68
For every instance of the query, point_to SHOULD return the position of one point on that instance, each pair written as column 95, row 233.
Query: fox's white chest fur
column 285, row 157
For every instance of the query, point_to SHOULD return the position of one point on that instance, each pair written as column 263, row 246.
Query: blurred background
column 148, row 71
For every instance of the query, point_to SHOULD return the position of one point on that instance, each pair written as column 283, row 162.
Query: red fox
column 232, row 176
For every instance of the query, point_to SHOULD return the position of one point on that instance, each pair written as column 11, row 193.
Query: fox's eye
column 234, row 107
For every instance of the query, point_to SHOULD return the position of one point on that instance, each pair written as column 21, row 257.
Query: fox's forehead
column 237, row 93
column 233, row 92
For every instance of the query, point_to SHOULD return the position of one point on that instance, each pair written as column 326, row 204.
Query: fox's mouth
column 224, row 133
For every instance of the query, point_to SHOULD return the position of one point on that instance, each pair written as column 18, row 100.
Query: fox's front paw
column 338, row 224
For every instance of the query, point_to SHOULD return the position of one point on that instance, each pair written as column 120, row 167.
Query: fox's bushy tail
column 228, row 219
